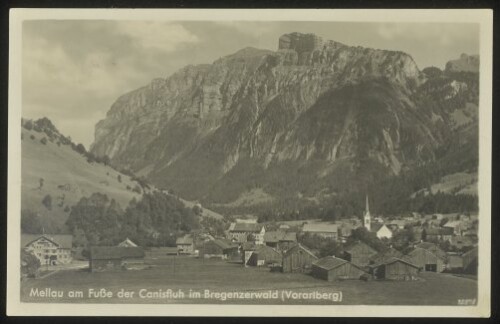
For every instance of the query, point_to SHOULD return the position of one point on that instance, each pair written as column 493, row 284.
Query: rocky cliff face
column 317, row 111
column 466, row 63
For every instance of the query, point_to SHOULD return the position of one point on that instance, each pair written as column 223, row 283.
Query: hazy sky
column 74, row 70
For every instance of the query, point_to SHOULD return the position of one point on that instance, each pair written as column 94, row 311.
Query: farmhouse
column 331, row 268
column 322, row 230
column 394, row 269
column 218, row 248
column 298, row 259
column 455, row 225
column 49, row 249
column 103, row 258
column 185, row 244
column 359, row 253
column 381, row 230
column 426, row 260
column 438, row 234
column 243, row 232
column 264, row 255
column 280, row 240
column 127, row 242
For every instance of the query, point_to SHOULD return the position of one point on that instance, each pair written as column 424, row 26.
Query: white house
column 381, row 230
column 49, row 249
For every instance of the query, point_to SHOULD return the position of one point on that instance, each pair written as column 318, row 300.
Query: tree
column 30, row 222
column 47, row 202
column 43, row 141
column 119, row 177
column 81, row 149
column 29, row 264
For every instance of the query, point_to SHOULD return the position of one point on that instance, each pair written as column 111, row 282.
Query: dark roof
column 320, row 228
column 278, row 236
column 246, row 227
column 224, row 244
column 439, row 231
column 393, row 260
column 64, row 241
column 386, row 255
column 358, row 244
column 329, row 262
column 115, row 252
column 297, row 247
column 429, row 246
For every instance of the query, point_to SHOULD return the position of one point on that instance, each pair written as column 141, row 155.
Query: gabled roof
column 393, row 260
column 329, row 262
column 223, row 244
column 246, row 227
column 115, row 252
column 375, row 227
column 278, row 236
column 357, row 245
column 298, row 247
column 386, row 255
column 127, row 242
column 64, row 241
column 429, row 246
column 452, row 223
column 320, row 228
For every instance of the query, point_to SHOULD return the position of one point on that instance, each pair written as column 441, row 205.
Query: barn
column 426, row 260
column 106, row 258
column 394, row 269
column 359, row 253
column 264, row 255
column 217, row 249
column 298, row 259
column 331, row 268
column 385, row 255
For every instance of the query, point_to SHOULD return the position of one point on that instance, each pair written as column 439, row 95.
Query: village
column 439, row 244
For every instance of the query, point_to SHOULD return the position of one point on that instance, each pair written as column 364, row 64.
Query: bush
column 119, row 177
column 43, row 141
column 137, row 189
column 32, row 137
column 47, row 202
column 29, row 264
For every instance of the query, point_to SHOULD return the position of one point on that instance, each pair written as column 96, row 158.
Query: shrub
column 43, row 141
column 47, row 202
column 32, row 137
column 137, row 189
column 129, row 188
column 29, row 264
column 119, row 177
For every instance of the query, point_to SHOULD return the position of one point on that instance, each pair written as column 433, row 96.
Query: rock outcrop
column 466, row 63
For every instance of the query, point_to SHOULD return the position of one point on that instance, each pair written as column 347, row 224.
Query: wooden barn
column 106, row 258
column 264, row 255
column 298, row 259
column 359, row 253
column 395, row 269
column 426, row 260
column 331, row 268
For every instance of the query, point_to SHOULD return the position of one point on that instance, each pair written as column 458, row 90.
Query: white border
column 484, row 17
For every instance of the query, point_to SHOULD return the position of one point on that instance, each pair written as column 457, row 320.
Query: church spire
column 367, row 217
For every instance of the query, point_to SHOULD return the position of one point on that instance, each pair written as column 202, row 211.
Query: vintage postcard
column 249, row 162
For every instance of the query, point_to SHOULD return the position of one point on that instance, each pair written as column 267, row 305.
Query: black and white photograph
column 183, row 159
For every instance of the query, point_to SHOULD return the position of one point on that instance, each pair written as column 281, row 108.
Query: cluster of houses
column 281, row 248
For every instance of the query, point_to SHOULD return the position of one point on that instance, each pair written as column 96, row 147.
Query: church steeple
column 366, row 216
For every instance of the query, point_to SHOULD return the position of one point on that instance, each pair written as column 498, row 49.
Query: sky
column 73, row 70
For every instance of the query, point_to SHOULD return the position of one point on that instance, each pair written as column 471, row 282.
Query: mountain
column 313, row 119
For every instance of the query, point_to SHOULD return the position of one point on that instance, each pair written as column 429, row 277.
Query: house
column 395, row 269
column 455, row 225
column 345, row 230
column 218, row 248
column 284, row 227
column 109, row 258
column 381, row 230
column 321, row 230
column 359, row 253
column 280, row 240
column 185, row 244
column 127, row 242
column 426, row 260
column 438, row 234
column 433, row 248
column 264, row 255
column 460, row 241
column 298, row 259
column 470, row 261
column 385, row 256
column 331, row 268
column 397, row 224
column 246, row 250
column 49, row 249
column 455, row 262
column 243, row 232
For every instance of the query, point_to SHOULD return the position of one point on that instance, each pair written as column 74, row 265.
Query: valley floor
column 197, row 275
